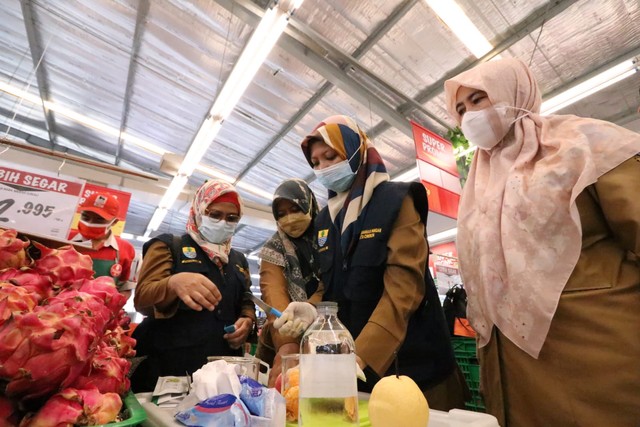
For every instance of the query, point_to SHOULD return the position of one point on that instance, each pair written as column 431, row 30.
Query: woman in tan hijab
column 549, row 246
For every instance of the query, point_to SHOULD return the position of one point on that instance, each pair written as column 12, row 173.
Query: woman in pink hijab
column 549, row 246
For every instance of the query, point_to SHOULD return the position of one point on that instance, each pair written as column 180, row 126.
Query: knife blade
column 263, row 305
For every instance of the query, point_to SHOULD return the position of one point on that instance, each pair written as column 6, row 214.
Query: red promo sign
column 448, row 249
column 434, row 149
column 442, row 201
column 123, row 200
column 39, row 182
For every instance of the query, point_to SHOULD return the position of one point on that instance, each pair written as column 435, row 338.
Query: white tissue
column 216, row 378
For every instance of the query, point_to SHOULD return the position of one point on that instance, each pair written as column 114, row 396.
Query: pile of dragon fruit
column 63, row 349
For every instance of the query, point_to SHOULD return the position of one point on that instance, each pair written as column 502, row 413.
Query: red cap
column 229, row 197
column 105, row 205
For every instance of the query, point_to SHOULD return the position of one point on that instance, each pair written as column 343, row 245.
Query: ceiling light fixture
column 206, row 134
column 129, row 236
column 253, row 55
column 156, row 220
column 443, row 237
column 590, row 86
column 173, row 191
column 461, row 26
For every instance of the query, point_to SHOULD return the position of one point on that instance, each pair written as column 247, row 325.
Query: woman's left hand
column 243, row 325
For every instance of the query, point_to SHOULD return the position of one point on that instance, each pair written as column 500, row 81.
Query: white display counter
column 163, row 417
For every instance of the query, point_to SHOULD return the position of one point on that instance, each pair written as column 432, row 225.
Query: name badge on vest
column 322, row 237
column 189, row 252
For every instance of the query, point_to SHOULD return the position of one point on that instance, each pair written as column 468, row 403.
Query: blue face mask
column 216, row 231
column 338, row 177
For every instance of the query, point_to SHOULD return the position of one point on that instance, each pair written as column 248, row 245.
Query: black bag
column 455, row 306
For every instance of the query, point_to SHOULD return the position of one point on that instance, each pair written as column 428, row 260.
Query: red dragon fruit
column 105, row 289
column 48, row 348
column 106, row 371
column 76, row 407
column 120, row 341
column 38, row 285
column 76, row 302
column 14, row 300
column 12, row 250
column 124, row 321
column 64, row 265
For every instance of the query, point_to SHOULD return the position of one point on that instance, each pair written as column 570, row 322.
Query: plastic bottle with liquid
column 328, row 383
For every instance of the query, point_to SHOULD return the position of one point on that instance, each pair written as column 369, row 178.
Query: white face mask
column 216, row 231
column 487, row 127
column 337, row 177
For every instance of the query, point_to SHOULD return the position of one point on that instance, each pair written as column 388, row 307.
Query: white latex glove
column 359, row 373
column 295, row 319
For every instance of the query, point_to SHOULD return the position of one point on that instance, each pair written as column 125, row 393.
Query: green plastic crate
column 134, row 412
column 464, row 347
column 475, row 405
column 465, row 352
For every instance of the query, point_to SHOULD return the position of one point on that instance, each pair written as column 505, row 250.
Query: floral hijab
column 519, row 231
column 343, row 135
column 206, row 194
column 295, row 255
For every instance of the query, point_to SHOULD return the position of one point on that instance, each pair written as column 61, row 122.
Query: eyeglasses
column 218, row 216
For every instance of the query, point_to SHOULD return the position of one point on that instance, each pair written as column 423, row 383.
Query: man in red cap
column 112, row 256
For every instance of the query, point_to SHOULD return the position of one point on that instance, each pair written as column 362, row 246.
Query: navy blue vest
column 356, row 283
column 182, row 343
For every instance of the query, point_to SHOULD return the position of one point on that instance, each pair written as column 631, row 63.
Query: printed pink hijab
column 207, row 193
column 519, row 232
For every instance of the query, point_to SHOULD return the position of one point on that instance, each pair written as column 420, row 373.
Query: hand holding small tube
column 295, row 319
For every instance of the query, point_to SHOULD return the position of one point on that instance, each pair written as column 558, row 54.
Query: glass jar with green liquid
column 328, row 384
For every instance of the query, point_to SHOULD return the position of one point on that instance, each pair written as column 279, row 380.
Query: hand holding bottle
column 295, row 319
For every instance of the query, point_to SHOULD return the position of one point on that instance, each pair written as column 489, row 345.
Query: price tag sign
column 37, row 202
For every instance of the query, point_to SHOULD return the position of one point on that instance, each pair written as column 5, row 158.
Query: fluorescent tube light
column 129, row 236
column 206, row 134
column 594, row 84
column 461, row 26
column 255, row 52
column 260, row 44
column 173, row 191
column 156, row 220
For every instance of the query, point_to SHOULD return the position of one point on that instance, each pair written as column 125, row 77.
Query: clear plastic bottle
column 328, row 384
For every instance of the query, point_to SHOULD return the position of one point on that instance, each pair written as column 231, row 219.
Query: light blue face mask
column 216, row 231
column 338, row 177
